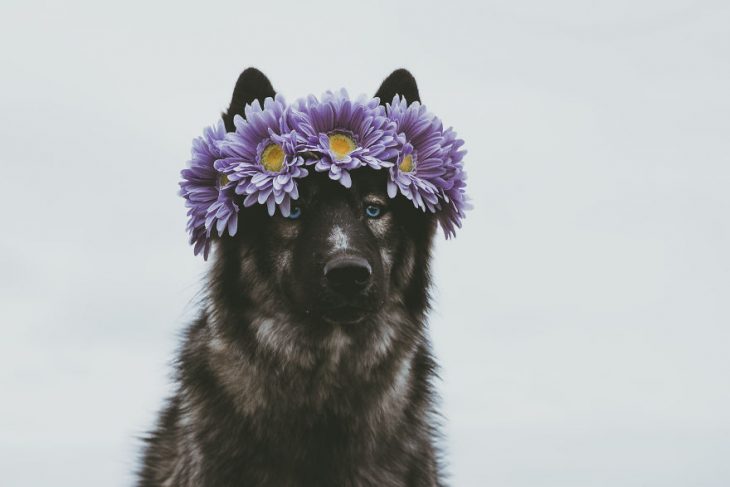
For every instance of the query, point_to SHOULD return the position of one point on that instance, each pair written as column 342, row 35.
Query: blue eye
column 373, row 211
column 295, row 213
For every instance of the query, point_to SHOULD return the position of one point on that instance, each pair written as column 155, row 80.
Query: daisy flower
column 208, row 194
column 262, row 157
column 454, row 189
column 344, row 134
column 428, row 169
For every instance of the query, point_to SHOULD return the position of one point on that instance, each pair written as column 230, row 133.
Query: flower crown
column 273, row 147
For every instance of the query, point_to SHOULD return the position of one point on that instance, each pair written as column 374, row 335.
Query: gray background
column 581, row 316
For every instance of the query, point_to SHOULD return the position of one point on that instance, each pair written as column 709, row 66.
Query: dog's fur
column 283, row 382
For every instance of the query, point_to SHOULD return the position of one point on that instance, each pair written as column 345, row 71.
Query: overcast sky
column 581, row 316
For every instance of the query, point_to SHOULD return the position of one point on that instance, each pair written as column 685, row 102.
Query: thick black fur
column 286, row 381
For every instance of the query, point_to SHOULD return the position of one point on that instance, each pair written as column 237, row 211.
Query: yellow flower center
column 223, row 180
column 272, row 158
column 341, row 145
column 406, row 165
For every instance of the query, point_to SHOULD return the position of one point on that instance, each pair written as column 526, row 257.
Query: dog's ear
column 400, row 82
column 252, row 85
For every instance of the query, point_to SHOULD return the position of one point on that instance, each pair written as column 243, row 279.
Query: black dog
column 309, row 364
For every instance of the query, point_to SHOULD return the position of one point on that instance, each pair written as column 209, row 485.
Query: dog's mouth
column 346, row 315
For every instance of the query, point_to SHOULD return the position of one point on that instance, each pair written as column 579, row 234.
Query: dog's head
column 341, row 257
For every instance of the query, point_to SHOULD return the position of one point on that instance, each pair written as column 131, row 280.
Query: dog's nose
column 348, row 274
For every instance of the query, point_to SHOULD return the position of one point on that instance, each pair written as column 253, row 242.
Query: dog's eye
column 373, row 211
column 295, row 213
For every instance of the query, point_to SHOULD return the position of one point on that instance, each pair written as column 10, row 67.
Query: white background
column 581, row 316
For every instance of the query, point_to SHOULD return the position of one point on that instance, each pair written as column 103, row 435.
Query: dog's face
column 333, row 259
column 341, row 258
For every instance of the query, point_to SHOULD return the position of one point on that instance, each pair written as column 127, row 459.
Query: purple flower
column 345, row 134
column 428, row 169
column 262, row 157
column 208, row 194
column 454, row 189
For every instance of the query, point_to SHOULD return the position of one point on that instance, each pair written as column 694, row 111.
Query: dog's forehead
column 365, row 183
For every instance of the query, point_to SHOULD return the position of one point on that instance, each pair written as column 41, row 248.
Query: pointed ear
column 252, row 85
column 400, row 82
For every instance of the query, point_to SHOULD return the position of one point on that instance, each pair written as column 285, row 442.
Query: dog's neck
column 270, row 361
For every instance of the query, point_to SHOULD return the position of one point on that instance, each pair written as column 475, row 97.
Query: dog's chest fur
column 329, row 417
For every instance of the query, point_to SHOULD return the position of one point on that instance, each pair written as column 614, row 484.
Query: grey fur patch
column 381, row 226
column 338, row 239
column 278, row 335
column 237, row 375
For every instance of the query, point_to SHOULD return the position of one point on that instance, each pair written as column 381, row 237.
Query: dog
column 310, row 363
